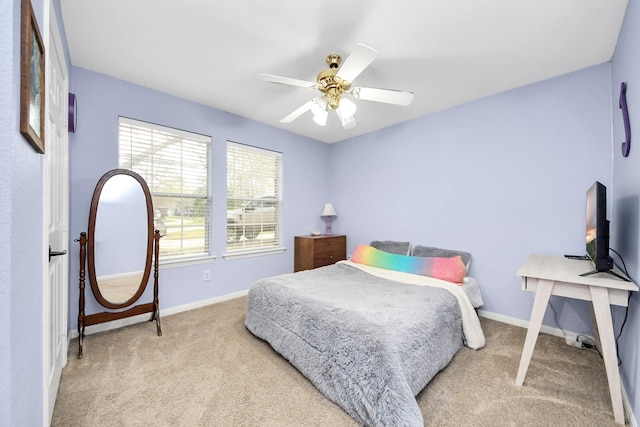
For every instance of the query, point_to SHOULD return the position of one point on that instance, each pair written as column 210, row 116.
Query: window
column 253, row 198
column 175, row 165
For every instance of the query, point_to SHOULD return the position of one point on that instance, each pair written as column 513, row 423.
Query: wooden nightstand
column 317, row 251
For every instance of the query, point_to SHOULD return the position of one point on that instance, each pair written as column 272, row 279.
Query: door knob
column 55, row 253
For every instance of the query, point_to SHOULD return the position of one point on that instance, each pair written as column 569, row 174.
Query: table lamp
column 328, row 213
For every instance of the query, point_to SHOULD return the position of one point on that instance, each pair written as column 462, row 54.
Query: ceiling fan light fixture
column 346, row 112
column 348, row 122
column 347, row 108
column 321, row 118
column 334, row 102
column 319, row 110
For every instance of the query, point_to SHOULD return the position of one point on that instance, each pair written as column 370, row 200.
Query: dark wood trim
column 108, row 316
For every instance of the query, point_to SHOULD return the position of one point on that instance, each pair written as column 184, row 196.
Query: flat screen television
column 598, row 228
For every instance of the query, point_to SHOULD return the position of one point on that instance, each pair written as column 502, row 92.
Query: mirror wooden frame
column 88, row 256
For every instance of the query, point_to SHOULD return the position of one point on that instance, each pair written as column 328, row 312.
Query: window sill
column 182, row 262
column 253, row 253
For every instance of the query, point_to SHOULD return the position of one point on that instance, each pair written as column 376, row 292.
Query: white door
column 56, row 216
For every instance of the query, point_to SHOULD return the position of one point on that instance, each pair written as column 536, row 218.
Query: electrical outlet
column 586, row 341
column 573, row 343
column 206, row 276
column 581, row 341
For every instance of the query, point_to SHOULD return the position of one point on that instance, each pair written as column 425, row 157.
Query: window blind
column 254, row 198
column 175, row 164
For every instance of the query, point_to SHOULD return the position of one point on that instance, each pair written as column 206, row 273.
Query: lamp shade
column 328, row 210
column 321, row 117
column 319, row 110
column 345, row 113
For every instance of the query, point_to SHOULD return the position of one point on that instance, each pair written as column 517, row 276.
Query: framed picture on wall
column 32, row 90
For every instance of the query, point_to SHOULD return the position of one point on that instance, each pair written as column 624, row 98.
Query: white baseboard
column 568, row 336
column 557, row 332
column 140, row 318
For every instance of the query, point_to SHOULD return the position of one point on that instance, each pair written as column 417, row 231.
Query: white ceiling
column 446, row 52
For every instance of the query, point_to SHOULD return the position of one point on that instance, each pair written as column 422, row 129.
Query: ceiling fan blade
column 287, row 81
column 298, row 112
column 388, row 96
column 359, row 59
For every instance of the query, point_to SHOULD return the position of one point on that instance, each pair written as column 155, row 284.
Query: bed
column 369, row 338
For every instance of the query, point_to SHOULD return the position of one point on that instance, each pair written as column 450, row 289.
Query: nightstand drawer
column 327, row 258
column 331, row 246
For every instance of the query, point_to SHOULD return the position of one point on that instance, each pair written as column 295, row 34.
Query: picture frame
column 32, row 79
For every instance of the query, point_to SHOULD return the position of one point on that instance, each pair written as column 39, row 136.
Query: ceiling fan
column 334, row 82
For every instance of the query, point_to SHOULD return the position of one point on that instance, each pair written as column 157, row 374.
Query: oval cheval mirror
column 119, row 249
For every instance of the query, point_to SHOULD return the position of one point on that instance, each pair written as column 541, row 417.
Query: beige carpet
column 208, row 370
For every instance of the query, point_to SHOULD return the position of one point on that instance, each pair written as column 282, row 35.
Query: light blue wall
column 21, row 248
column 625, row 222
column 94, row 151
column 502, row 177
column 8, row 134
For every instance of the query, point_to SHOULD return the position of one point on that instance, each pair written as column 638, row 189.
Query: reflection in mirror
column 120, row 239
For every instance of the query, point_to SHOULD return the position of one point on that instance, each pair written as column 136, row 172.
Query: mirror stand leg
column 81, row 283
column 156, row 314
column 156, row 265
column 80, row 338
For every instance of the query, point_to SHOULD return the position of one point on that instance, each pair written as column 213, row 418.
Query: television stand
column 611, row 272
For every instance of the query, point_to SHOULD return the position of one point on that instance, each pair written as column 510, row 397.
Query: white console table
column 557, row 275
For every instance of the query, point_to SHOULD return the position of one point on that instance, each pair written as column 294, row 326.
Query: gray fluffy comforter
column 367, row 343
